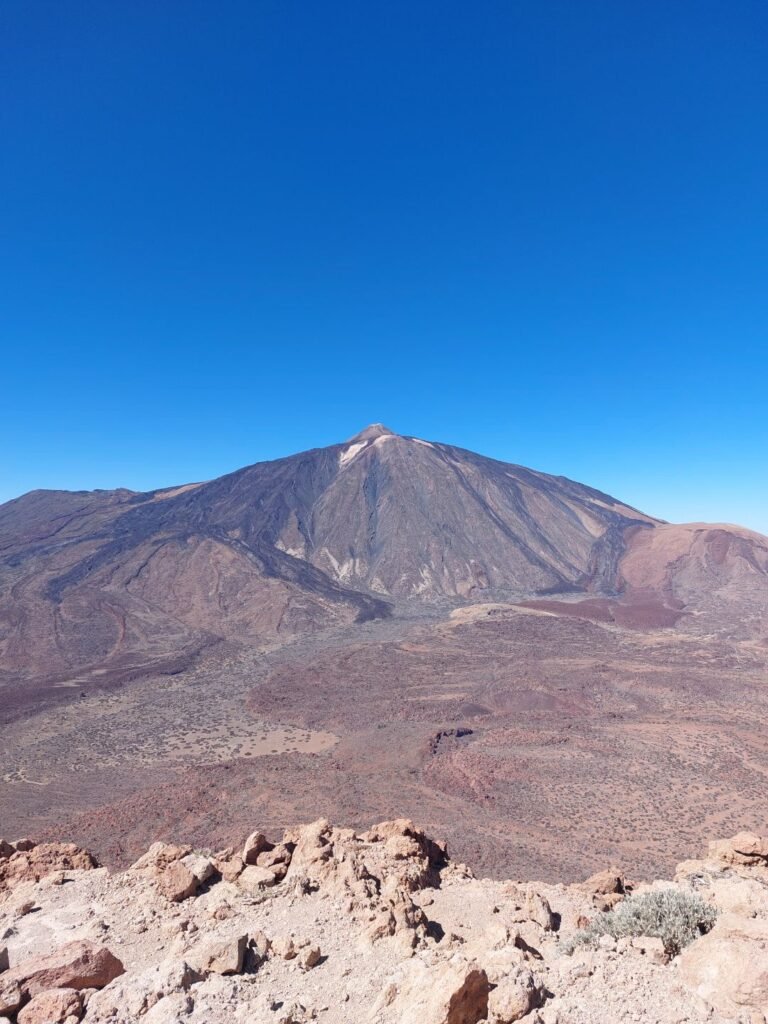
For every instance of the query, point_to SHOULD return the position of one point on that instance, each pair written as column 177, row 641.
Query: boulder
column 293, row 1013
column 603, row 882
column 279, row 854
column 177, row 882
column 177, row 871
column 284, row 947
column 728, row 967
column 254, row 879
column 78, row 964
column 607, row 888
column 6, row 850
column 229, row 864
column 528, row 905
column 159, row 856
column 201, row 867
column 54, row 1006
column 313, row 848
column 10, row 994
column 261, row 944
column 224, row 956
column 255, row 844
column 333, row 860
column 451, row 992
column 134, row 995
column 515, row 995
column 744, row 848
column 399, row 916
column 414, row 858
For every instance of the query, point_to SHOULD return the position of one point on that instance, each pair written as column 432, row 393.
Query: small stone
column 223, row 912
column 652, row 947
column 309, row 957
column 284, row 947
column 261, row 943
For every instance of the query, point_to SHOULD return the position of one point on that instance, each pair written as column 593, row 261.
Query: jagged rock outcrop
column 372, row 926
column 28, row 861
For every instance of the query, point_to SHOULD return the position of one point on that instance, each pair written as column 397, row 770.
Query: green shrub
column 675, row 916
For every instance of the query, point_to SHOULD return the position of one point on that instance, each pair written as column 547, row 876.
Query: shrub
column 675, row 916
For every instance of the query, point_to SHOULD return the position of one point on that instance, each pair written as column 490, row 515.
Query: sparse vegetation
column 675, row 916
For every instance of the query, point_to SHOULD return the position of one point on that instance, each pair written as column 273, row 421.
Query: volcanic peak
column 371, row 432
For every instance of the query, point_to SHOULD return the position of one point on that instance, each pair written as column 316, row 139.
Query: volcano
column 109, row 582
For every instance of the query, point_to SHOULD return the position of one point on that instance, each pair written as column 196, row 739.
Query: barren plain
column 540, row 745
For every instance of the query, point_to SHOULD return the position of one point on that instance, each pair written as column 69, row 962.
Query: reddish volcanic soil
column 649, row 614
column 540, row 744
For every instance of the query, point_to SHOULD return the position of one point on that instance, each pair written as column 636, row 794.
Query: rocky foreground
column 334, row 926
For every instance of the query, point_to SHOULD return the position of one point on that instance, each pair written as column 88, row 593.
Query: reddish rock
column 177, row 882
column 515, row 995
column 52, row 1007
column 176, row 869
column 603, row 882
column 278, row 855
column 309, row 957
column 229, row 864
column 77, row 965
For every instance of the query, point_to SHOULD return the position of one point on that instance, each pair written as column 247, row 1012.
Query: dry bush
column 675, row 916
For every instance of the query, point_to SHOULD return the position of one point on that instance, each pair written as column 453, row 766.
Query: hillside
column 325, row 924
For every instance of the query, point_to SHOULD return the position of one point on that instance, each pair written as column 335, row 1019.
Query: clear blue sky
column 231, row 230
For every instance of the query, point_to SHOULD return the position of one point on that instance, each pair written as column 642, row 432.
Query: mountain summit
column 118, row 579
column 371, row 432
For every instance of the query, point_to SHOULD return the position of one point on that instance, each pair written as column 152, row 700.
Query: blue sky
column 539, row 230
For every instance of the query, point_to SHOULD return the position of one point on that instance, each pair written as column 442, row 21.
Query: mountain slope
column 114, row 580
